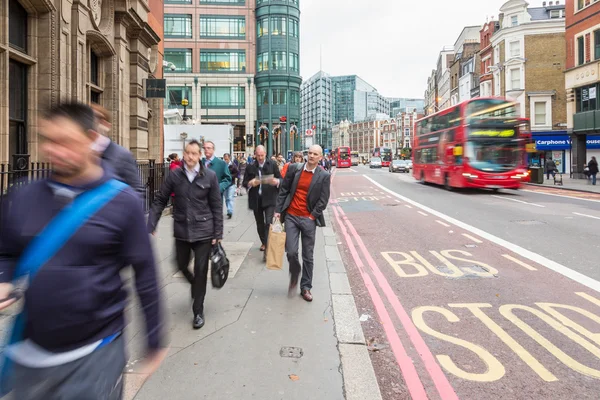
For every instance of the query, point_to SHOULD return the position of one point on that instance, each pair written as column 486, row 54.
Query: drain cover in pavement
column 291, row 352
column 470, row 246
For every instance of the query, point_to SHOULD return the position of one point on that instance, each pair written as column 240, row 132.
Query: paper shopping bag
column 275, row 246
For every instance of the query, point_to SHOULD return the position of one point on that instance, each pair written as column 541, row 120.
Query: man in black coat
column 118, row 158
column 302, row 199
column 262, row 195
column 198, row 220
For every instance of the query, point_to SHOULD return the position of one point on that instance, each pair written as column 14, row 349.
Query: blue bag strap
column 47, row 243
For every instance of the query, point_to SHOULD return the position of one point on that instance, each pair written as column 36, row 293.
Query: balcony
column 587, row 121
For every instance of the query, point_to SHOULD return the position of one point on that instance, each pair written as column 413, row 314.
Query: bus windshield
column 487, row 110
column 344, row 155
column 493, row 155
column 386, row 154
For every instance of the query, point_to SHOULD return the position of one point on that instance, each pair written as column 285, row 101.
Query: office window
column 515, row 49
column 223, row 97
column 293, row 28
column 279, row 96
column 514, row 20
column 263, row 97
column 222, row 61
column 278, row 60
column 262, row 61
column 17, row 25
column 597, row 45
column 222, row 27
column 178, row 26
column 580, row 50
column 294, row 63
column 177, row 93
column 515, row 78
column 294, row 97
column 540, row 112
column 262, row 26
column 181, row 59
column 278, row 26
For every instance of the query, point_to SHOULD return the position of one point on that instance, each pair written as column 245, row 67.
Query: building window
column 178, row 1
column 514, row 20
column 515, row 49
column 224, row 2
column 222, row 27
column 262, row 61
column 262, row 25
column 556, row 13
column 579, row 4
column 278, row 26
column 587, row 98
column 278, row 60
column 178, row 26
column 17, row 27
column 294, row 97
column 177, row 93
column 580, row 50
column 223, row 97
column 222, row 61
column 515, row 79
column 94, row 69
column 540, row 112
column 17, row 107
column 294, row 63
column 94, row 77
column 597, row 45
column 279, row 96
column 180, row 58
column 263, row 97
column 293, row 28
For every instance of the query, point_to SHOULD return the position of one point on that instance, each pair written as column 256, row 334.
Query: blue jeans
column 228, row 195
column 593, row 176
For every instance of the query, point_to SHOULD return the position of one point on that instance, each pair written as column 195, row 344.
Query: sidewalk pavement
column 257, row 342
column 581, row 185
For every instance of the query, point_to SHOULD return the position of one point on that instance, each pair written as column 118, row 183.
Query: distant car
column 399, row 166
column 375, row 162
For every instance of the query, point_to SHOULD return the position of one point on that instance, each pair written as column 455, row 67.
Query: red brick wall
column 576, row 23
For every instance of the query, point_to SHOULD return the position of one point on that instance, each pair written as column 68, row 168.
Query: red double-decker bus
column 341, row 157
column 385, row 153
column 475, row 144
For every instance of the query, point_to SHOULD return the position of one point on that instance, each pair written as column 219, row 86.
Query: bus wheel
column 447, row 183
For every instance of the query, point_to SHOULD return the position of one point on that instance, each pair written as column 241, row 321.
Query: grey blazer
column 121, row 161
column 318, row 192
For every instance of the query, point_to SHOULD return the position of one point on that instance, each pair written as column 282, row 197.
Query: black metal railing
column 151, row 174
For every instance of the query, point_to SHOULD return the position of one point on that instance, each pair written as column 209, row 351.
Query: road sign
column 309, row 132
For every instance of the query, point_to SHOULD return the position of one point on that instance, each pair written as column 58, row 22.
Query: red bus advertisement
column 385, row 153
column 341, row 155
column 475, row 144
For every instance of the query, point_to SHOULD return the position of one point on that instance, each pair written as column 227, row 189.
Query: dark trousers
column 97, row 376
column 296, row 227
column 199, row 279
column 263, row 217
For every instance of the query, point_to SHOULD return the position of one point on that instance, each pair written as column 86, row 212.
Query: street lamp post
column 185, row 103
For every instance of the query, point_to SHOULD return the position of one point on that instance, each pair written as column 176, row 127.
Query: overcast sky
column 391, row 44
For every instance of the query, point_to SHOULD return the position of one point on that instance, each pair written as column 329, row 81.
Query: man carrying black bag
column 198, row 220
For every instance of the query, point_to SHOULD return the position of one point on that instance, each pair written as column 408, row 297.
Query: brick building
column 366, row 135
column 86, row 50
column 486, row 58
column 582, row 79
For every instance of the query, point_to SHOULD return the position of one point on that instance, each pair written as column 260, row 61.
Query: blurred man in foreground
column 72, row 234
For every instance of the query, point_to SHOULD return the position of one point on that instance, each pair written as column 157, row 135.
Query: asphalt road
column 473, row 295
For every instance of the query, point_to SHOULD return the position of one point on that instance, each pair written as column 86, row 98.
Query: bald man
column 303, row 197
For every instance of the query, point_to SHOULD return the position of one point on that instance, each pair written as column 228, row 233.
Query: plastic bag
column 277, row 226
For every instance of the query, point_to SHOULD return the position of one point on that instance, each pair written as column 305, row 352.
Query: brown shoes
column 306, row 295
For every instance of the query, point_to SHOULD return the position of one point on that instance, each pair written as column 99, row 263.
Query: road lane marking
column 585, row 215
column 389, row 197
column 398, row 201
column 423, row 214
column 530, row 255
column 440, row 380
column 560, row 195
column 353, row 170
column 519, row 201
column 521, row 263
column 589, row 298
column 407, row 206
column 409, row 372
column 439, row 222
column 472, row 238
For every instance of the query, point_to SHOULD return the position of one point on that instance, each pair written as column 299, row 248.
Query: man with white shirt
column 262, row 178
column 302, row 199
column 198, row 220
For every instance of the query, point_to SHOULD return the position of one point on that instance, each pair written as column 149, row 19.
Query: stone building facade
column 101, row 51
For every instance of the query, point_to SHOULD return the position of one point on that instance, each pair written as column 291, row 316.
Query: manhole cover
column 531, row 222
column 291, row 352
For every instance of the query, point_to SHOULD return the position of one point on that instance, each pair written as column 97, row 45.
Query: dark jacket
column 197, row 206
column 269, row 192
column 77, row 297
column 233, row 171
column 220, row 168
column 120, row 160
column 550, row 166
column 593, row 167
column 318, row 192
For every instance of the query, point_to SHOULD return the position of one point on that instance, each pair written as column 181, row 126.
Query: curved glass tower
column 278, row 74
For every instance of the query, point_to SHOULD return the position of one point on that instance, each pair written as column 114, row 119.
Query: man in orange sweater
column 303, row 197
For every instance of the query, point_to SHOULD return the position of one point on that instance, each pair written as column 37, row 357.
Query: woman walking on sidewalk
column 593, row 169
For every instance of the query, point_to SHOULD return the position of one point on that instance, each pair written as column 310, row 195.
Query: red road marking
column 413, row 382
column 440, row 380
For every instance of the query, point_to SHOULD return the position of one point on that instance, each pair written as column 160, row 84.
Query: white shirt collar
column 312, row 171
column 196, row 168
